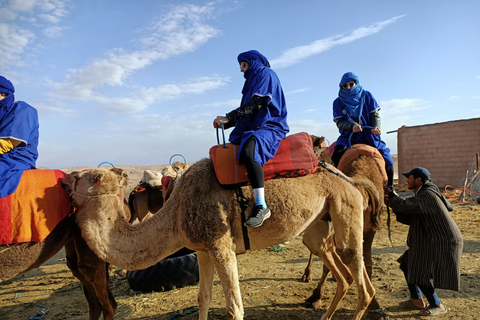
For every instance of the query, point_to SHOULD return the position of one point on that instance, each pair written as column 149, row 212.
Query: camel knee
column 347, row 255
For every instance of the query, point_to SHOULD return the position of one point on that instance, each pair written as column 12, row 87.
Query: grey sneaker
column 259, row 214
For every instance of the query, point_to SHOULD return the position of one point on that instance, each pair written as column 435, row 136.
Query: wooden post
column 462, row 194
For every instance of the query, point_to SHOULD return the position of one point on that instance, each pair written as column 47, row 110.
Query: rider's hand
column 357, row 128
column 217, row 123
column 376, row 130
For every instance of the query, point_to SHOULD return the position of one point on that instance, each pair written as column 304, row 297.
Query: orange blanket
column 295, row 157
column 363, row 150
column 35, row 208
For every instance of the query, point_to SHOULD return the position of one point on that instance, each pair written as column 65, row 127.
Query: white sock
column 260, row 197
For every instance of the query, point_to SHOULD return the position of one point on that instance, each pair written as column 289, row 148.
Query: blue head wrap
column 6, row 103
column 256, row 61
column 351, row 98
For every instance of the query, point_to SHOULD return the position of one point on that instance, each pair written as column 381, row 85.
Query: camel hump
column 363, row 150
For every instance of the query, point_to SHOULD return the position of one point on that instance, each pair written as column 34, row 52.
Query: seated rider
column 260, row 124
column 353, row 109
column 18, row 138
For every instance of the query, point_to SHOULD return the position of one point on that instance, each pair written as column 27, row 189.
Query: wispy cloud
column 297, row 54
column 403, row 106
column 297, row 91
column 179, row 31
column 32, row 15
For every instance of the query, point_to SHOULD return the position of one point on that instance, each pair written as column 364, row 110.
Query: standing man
column 434, row 242
column 18, row 138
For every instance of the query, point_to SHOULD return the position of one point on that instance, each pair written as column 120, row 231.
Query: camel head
column 175, row 170
column 320, row 148
column 91, row 184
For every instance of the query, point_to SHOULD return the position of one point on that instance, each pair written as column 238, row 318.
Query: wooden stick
column 462, row 194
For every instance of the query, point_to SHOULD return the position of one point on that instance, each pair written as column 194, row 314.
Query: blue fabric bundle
column 18, row 121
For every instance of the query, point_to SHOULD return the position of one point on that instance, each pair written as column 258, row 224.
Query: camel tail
column 374, row 200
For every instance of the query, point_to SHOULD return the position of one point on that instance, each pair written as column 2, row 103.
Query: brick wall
column 445, row 149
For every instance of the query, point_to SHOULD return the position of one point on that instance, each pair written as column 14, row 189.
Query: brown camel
column 364, row 167
column 19, row 258
column 206, row 218
column 145, row 199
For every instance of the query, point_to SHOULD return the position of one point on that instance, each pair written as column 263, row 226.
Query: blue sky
column 135, row 82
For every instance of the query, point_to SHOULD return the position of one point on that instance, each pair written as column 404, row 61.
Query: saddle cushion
column 363, row 150
column 35, row 208
column 294, row 157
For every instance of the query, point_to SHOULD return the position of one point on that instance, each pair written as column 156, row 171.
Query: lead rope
column 243, row 205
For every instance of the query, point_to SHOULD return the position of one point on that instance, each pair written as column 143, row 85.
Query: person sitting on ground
column 434, row 242
column 18, row 138
column 353, row 109
column 260, row 124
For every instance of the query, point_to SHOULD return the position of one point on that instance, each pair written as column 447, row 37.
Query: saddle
column 35, row 208
column 363, row 150
column 295, row 157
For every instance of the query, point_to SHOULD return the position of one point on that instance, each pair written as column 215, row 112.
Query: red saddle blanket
column 295, row 157
column 363, row 150
column 35, row 208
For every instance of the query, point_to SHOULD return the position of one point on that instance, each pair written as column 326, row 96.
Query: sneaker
column 259, row 214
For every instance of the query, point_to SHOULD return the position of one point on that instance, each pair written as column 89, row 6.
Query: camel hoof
column 306, row 279
column 377, row 314
column 316, row 305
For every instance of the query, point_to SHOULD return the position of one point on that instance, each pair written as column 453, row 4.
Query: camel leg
column 315, row 300
column 349, row 244
column 94, row 307
column 225, row 262
column 367, row 258
column 206, row 269
column 94, row 270
column 316, row 239
column 307, row 274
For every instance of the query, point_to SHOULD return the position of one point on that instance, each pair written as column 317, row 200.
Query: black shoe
column 259, row 214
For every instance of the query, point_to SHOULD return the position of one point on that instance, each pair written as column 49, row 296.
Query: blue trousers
column 429, row 292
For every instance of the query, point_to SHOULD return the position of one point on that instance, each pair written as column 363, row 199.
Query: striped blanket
column 35, row 208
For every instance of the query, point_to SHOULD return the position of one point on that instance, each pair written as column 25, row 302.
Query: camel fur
column 364, row 167
column 205, row 217
column 19, row 258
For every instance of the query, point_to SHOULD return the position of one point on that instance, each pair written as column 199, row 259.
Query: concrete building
column 446, row 149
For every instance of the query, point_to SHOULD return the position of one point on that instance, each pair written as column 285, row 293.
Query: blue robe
column 269, row 125
column 367, row 105
column 20, row 122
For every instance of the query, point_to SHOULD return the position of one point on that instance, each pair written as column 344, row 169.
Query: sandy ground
column 269, row 281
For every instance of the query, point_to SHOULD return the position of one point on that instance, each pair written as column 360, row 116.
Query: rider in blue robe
column 353, row 109
column 18, row 138
column 260, row 124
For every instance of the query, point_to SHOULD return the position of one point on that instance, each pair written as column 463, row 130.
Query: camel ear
column 97, row 178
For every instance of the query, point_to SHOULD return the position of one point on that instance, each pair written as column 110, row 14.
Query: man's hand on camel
column 217, row 123
column 357, row 128
column 376, row 130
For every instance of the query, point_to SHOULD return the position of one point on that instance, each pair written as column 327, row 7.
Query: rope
column 95, row 196
column 466, row 190
column 351, row 134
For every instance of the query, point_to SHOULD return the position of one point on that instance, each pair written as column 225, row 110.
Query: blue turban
column 6, row 103
column 256, row 61
column 351, row 98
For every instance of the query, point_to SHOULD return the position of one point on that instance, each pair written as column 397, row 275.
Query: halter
column 90, row 197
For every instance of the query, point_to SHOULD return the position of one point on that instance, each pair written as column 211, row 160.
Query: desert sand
column 269, row 280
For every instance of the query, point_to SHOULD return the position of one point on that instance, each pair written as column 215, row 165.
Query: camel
column 19, row 258
column 145, row 200
column 365, row 167
column 207, row 218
